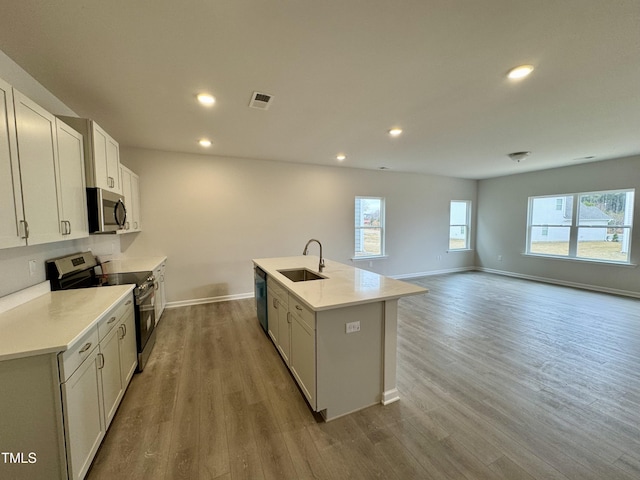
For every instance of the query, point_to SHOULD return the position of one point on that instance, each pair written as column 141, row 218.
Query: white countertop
column 134, row 264
column 52, row 322
column 344, row 285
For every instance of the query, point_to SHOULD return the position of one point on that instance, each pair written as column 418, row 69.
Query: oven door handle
column 144, row 296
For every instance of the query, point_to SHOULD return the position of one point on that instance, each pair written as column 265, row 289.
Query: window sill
column 372, row 257
column 460, row 250
column 581, row 260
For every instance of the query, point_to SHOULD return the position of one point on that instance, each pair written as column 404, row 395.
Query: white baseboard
column 407, row 276
column 202, row 301
column 390, row 396
column 583, row 286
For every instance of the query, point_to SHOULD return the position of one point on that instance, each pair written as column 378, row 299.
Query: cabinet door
column 135, row 200
column 303, row 357
column 36, row 136
column 100, row 157
column 284, row 331
column 125, row 179
column 111, row 378
column 83, row 420
column 272, row 316
column 11, row 215
column 113, row 165
column 128, row 350
column 73, row 197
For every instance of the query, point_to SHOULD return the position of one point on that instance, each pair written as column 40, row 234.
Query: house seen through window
column 459, row 224
column 369, row 227
column 591, row 226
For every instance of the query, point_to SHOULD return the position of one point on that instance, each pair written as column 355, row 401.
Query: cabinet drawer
column 113, row 317
column 70, row 360
column 278, row 290
column 302, row 312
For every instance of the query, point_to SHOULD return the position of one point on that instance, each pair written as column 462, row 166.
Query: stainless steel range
column 82, row 270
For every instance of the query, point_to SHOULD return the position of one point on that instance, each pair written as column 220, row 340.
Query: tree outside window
column 369, row 227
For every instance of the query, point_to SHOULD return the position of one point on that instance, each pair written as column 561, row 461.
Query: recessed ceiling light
column 205, row 143
column 340, row 157
column 520, row 71
column 394, row 132
column 206, row 99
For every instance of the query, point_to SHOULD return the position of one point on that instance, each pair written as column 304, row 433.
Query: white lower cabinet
column 128, row 348
column 83, row 418
column 111, row 374
column 291, row 326
column 303, row 357
column 92, row 393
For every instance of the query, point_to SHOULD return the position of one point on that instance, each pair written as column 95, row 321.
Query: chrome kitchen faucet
column 306, row 250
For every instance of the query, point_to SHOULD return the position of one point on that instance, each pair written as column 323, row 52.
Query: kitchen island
column 337, row 334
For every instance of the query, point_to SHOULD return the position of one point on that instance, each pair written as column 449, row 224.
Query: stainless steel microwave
column 107, row 213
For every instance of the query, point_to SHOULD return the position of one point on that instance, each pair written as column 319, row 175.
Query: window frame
column 466, row 225
column 575, row 225
column 381, row 228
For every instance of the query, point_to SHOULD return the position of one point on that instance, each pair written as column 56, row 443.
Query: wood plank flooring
column 499, row 378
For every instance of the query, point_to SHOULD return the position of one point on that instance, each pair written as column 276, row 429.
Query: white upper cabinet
column 131, row 192
column 102, row 155
column 37, row 153
column 73, row 197
column 11, row 213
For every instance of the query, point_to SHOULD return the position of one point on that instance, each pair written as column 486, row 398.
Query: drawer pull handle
column 298, row 307
column 85, row 348
column 128, row 302
column 111, row 320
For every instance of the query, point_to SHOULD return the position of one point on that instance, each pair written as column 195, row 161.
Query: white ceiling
column 342, row 72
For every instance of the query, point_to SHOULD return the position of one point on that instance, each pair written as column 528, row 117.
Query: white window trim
column 382, row 228
column 468, row 246
column 573, row 230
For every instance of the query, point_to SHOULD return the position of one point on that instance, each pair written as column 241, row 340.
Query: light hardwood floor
column 500, row 378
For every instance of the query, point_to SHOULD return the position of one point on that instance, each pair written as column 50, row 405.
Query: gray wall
column 212, row 215
column 502, row 221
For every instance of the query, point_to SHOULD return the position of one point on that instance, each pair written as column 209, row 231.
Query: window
column 459, row 225
column 590, row 226
column 369, row 227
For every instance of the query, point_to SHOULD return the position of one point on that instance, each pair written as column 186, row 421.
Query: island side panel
column 390, row 392
column 349, row 365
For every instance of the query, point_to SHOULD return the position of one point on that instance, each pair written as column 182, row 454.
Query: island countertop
column 344, row 286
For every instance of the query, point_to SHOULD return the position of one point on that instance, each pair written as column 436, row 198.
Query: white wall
column 502, row 221
column 211, row 215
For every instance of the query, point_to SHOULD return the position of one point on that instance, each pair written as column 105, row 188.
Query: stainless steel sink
column 301, row 275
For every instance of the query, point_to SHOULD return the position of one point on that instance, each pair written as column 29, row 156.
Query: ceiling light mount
column 395, row 131
column 341, row 157
column 204, row 142
column 518, row 156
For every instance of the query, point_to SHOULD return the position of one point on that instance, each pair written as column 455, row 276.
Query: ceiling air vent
column 261, row 101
